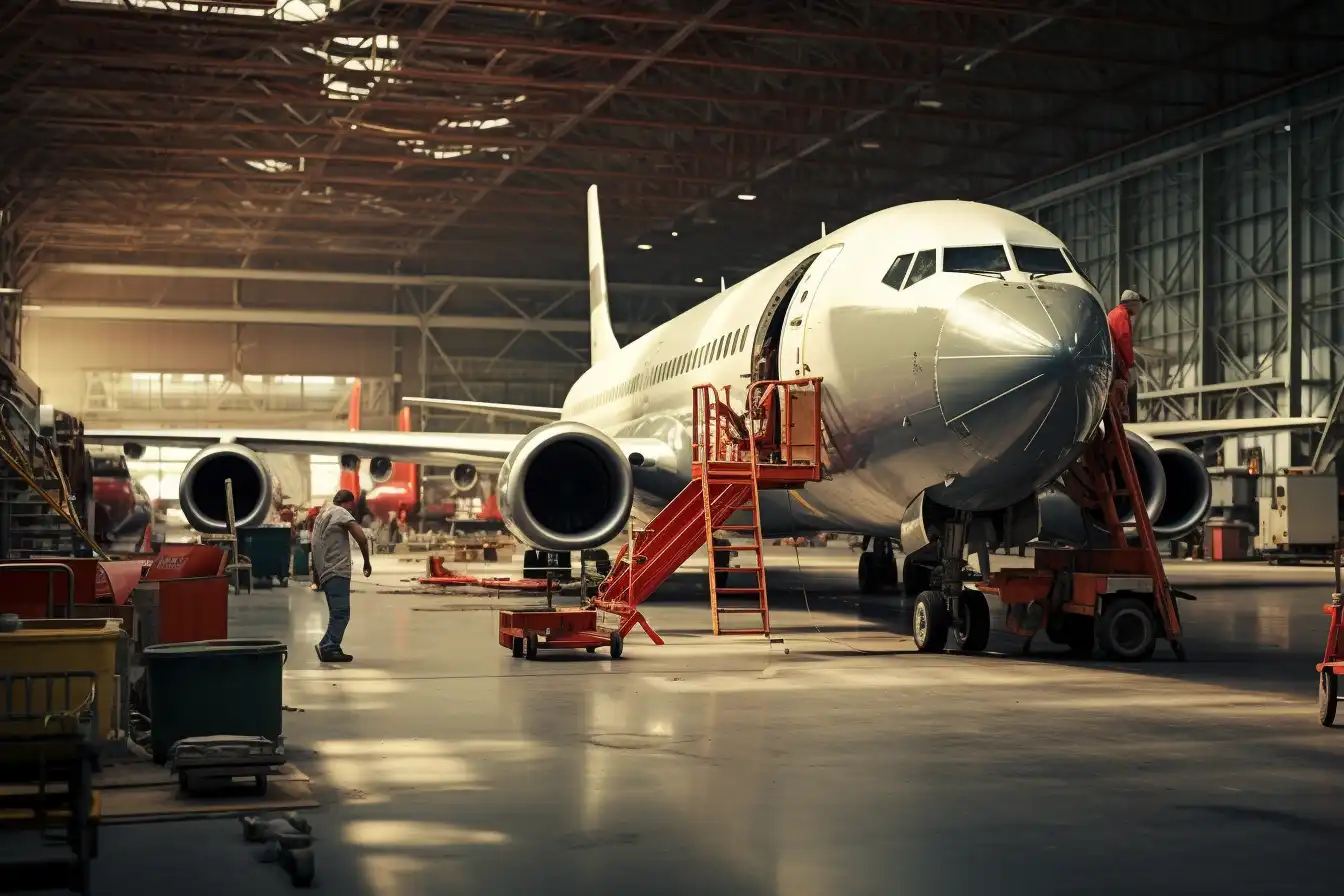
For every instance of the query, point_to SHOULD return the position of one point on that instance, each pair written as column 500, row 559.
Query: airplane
column 396, row 485
column 123, row 515
column 965, row 361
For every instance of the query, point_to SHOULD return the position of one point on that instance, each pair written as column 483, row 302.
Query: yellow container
column 59, row 646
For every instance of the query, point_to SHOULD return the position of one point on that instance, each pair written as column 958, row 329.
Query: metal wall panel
column 1234, row 226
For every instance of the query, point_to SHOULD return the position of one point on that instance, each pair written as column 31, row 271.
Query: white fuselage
column 977, row 387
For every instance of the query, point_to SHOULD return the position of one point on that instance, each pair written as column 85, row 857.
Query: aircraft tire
column 972, row 629
column 931, row 622
column 869, row 570
column 1127, row 630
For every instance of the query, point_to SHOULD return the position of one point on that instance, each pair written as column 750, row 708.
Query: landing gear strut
column 877, row 565
column 947, row 606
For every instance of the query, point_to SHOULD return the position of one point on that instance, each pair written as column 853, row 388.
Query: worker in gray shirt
column 332, row 530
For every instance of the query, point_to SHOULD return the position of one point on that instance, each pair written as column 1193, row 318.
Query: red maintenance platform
column 775, row 444
column 1117, row 596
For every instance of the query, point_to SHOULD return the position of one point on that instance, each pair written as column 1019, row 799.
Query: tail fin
column 350, row 478
column 354, row 406
column 602, row 338
column 405, row 473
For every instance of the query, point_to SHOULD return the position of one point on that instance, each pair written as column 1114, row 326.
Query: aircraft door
column 792, row 354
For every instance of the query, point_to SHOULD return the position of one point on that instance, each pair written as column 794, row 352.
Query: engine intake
column 1189, row 490
column 464, row 478
column 566, row 487
column 380, row 469
column 202, row 490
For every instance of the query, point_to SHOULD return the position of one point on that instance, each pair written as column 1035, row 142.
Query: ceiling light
column 674, row 233
column 869, row 144
column 644, row 246
column 699, row 279
column 746, row 197
column 931, row 104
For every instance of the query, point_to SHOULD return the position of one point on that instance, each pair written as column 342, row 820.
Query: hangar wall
column 1234, row 227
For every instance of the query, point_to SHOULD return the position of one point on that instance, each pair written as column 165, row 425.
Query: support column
column 1208, row 313
column 1119, row 285
column 1296, row 187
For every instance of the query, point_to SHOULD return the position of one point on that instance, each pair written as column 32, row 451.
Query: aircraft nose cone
column 1022, row 372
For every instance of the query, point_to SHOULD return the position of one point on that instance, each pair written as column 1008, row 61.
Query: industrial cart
column 49, row 748
column 1332, row 664
column 528, row 631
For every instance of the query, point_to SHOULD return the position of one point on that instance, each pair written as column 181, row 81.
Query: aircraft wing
column 532, row 413
column 1193, row 430
column 479, row 449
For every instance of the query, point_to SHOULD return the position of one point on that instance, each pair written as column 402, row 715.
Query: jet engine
column 202, row 490
column 380, row 469
column 1189, row 490
column 565, row 487
column 464, row 478
column 1174, row 482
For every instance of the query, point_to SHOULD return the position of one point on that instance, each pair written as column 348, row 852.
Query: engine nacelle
column 202, row 492
column 464, row 478
column 1174, row 482
column 565, row 487
column 380, row 469
column 1189, row 490
column 350, row 463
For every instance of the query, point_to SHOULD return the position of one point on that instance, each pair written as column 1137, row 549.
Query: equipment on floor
column 214, row 687
column 267, row 549
column 1117, row 595
column 216, row 761
column 527, row 631
column 288, row 842
column 1332, row 664
column 776, row 444
column 1300, row 520
column 438, row 574
column 51, row 726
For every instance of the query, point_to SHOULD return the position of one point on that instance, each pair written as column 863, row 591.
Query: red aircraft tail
column 406, row 474
column 350, row 478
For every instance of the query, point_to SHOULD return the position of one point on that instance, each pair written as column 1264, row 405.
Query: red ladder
column 783, row 418
column 1107, row 455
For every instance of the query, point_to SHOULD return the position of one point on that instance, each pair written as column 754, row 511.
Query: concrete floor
column 838, row 761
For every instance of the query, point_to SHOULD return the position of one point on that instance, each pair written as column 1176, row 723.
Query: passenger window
column 895, row 275
column 925, row 265
column 723, row 344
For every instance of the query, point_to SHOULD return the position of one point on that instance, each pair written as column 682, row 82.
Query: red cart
column 1332, row 664
column 528, row 631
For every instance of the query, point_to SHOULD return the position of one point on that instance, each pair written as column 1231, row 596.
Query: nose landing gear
column 948, row 606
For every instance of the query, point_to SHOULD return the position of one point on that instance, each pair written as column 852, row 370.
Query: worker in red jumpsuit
column 1121, row 321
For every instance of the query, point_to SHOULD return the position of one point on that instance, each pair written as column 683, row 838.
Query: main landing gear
column 877, row 565
column 948, row 607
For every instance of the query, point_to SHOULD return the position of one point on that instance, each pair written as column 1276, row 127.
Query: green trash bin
column 268, row 549
column 202, row 688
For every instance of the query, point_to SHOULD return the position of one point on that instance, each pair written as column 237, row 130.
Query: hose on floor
column 802, row 583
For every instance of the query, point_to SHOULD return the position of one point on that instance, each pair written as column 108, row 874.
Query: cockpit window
column 926, row 265
column 1040, row 261
column 1081, row 273
column 896, row 273
column 975, row 259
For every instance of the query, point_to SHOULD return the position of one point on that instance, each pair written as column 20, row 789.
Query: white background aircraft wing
column 413, row 447
column 529, row 412
column 1191, row 430
column 485, row 450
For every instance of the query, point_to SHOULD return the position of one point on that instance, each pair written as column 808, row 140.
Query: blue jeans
column 337, row 590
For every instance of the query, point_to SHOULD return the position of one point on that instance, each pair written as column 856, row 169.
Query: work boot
column 331, row 655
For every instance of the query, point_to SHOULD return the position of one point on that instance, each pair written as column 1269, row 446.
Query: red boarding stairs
column 1102, row 459
column 776, row 444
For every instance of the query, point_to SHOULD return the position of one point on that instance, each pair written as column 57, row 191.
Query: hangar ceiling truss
column 432, row 135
